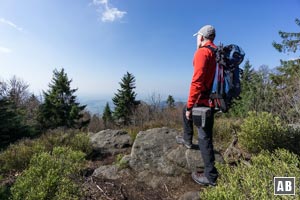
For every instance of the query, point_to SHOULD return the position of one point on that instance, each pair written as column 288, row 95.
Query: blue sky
column 98, row 41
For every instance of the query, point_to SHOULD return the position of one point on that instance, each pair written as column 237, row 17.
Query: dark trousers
column 205, row 143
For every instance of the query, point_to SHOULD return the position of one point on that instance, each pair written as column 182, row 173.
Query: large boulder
column 155, row 159
column 156, row 150
column 150, row 150
column 110, row 141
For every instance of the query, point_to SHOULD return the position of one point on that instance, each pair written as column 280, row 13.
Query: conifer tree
column 12, row 116
column 107, row 116
column 124, row 100
column 170, row 101
column 290, row 41
column 257, row 92
column 286, row 79
column 60, row 107
column 246, row 103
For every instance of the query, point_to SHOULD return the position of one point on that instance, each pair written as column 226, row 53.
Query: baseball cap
column 207, row 31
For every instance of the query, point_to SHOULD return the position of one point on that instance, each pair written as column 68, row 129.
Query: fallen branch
column 166, row 187
column 103, row 192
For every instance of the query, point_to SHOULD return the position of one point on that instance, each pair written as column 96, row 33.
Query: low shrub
column 80, row 142
column 121, row 162
column 72, row 138
column 49, row 176
column 254, row 181
column 132, row 131
column 290, row 140
column 260, row 131
column 224, row 130
column 4, row 189
column 17, row 156
column 4, row 192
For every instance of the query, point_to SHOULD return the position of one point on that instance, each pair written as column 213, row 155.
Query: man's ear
column 202, row 38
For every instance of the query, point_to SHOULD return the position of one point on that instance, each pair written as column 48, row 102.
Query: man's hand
column 188, row 114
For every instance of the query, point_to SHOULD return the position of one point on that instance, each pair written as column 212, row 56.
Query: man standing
column 200, row 88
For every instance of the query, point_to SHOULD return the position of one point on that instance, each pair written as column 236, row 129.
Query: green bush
column 132, row 132
column 17, row 156
column 70, row 138
column 121, row 162
column 80, row 142
column 260, row 131
column 254, row 181
column 4, row 192
column 224, row 130
column 290, row 140
column 49, row 176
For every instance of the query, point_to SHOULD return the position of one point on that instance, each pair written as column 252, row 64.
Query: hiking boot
column 180, row 140
column 201, row 179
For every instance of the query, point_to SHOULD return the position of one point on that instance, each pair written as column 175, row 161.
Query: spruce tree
column 290, row 41
column 107, row 116
column 60, row 108
column 12, row 116
column 286, row 78
column 242, row 106
column 12, row 126
column 170, row 101
column 124, row 100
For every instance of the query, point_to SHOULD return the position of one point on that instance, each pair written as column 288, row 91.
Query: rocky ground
column 127, row 186
column 153, row 167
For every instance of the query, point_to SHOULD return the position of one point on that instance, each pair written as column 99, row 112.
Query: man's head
column 205, row 33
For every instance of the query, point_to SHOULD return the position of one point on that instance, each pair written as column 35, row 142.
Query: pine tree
column 287, row 78
column 12, row 113
column 12, row 126
column 124, row 100
column 290, row 41
column 107, row 116
column 60, row 107
column 249, row 80
column 170, row 101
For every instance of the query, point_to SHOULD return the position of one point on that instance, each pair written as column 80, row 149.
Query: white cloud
column 111, row 14
column 108, row 14
column 11, row 24
column 5, row 50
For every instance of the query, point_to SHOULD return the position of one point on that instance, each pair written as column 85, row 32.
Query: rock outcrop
column 110, row 141
column 157, row 151
column 155, row 159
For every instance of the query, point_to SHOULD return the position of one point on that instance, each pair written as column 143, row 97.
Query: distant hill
column 95, row 106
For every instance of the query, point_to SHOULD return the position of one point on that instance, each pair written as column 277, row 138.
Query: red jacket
column 204, row 71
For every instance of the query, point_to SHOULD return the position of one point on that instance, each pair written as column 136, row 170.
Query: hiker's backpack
column 226, row 85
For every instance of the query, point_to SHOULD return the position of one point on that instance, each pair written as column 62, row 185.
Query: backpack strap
column 210, row 48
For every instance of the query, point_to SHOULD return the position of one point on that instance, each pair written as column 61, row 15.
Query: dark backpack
column 226, row 85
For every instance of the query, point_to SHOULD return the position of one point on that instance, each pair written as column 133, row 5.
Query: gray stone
column 177, row 156
column 194, row 160
column 150, row 150
column 110, row 141
column 110, row 172
column 156, row 150
column 155, row 157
